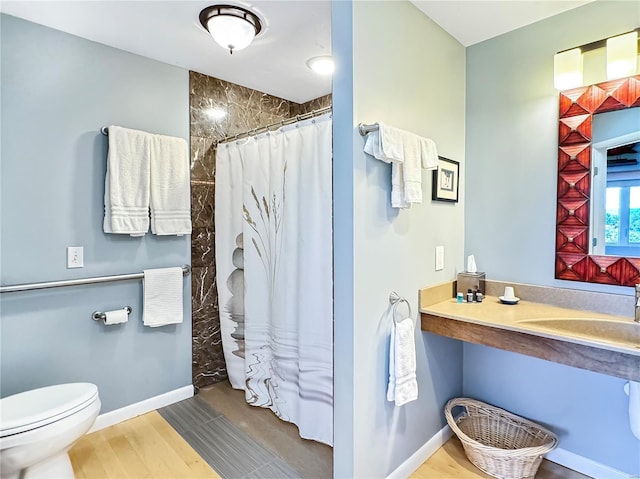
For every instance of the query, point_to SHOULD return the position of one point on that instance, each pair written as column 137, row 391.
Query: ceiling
column 473, row 21
column 275, row 63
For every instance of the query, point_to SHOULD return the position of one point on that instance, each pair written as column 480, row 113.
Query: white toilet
column 38, row 427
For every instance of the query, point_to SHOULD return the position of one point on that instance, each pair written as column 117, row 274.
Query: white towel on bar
column 126, row 191
column 408, row 154
column 403, row 384
column 170, row 189
column 162, row 296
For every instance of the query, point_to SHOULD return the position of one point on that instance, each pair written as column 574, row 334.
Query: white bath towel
column 409, row 154
column 162, row 296
column 403, row 384
column 170, row 190
column 126, row 192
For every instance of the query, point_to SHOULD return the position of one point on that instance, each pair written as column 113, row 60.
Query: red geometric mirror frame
column 577, row 107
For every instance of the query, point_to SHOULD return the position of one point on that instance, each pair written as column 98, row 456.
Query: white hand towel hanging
column 403, row 384
column 162, row 296
column 170, row 190
column 408, row 154
column 126, row 192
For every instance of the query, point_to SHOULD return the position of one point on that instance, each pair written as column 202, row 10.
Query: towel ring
column 395, row 299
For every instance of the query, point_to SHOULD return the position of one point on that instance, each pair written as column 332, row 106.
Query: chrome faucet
column 637, row 315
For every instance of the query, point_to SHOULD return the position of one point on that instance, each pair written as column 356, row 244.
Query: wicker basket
column 499, row 443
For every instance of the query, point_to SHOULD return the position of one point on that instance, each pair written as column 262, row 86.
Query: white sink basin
column 620, row 332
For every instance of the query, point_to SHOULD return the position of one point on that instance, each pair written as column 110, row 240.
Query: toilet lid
column 39, row 407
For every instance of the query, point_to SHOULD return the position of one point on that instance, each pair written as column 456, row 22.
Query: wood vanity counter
column 494, row 324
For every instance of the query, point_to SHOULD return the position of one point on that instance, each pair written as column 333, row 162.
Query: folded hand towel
column 126, row 193
column 374, row 147
column 403, row 385
column 162, row 296
column 409, row 154
column 170, row 190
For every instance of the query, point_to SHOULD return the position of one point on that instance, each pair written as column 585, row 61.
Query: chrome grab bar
column 186, row 270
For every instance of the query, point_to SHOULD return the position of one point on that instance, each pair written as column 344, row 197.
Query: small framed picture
column 446, row 180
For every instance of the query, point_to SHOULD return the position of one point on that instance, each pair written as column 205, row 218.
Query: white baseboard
column 132, row 410
column 409, row 466
column 563, row 457
column 584, row 465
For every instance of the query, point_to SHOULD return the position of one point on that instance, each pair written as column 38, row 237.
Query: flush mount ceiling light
column 322, row 65
column 232, row 27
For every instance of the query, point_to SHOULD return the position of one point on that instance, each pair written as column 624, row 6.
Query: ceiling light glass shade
column 622, row 55
column 232, row 33
column 322, row 65
column 232, row 27
column 567, row 69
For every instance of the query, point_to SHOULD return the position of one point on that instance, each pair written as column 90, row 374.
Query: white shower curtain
column 274, row 271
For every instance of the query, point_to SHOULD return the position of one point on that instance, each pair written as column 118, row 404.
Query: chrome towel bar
column 364, row 129
column 186, row 270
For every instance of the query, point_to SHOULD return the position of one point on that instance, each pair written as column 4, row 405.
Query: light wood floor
column 143, row 447
column 450, row 462
column 148, row 447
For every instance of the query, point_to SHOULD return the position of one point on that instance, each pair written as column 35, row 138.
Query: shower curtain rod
column 279, row 124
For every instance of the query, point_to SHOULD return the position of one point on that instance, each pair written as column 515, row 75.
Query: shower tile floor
column 242, row 441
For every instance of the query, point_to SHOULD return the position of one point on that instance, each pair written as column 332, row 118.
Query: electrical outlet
column 75, row 257
column 439, row 258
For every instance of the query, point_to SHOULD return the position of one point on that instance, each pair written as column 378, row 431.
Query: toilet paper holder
column 100, row 316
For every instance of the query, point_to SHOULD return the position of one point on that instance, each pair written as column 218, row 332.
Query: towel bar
column 186, row 270
column 364, row 129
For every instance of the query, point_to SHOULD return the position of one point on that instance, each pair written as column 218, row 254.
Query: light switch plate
column 439, row 258
column 75, row 257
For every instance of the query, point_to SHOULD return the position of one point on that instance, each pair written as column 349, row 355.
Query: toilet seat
column 39, row 407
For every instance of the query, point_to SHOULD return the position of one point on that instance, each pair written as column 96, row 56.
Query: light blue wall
column 397, row 66
column 587, row 410
column 511, row 143
column 57, row 92
column 344, row 332
column 512, row 140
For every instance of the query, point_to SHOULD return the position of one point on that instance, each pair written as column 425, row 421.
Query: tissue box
column 470, row 281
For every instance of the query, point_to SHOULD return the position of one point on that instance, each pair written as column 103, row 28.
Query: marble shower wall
column 219, row 109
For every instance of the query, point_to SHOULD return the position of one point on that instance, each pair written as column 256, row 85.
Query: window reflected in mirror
column 615, row 179
column 622, row 201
